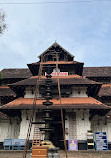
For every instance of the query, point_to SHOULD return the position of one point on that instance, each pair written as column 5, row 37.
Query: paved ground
column 78, row 154
column 86, row 154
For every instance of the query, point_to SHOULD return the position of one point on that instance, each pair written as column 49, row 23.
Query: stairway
column 37, row 136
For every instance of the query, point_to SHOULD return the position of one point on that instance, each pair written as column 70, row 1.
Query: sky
column 82, row 27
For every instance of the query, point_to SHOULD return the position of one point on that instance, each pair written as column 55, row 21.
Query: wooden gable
column 54, row 52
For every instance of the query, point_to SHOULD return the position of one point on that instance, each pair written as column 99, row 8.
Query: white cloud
column 81, row 28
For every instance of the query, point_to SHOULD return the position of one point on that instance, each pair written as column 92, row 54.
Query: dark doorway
column 57, row 135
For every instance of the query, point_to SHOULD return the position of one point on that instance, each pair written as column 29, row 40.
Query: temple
column 85, row 99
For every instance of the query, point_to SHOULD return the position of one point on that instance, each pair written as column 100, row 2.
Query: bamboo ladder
column 31, row 119
column 37, row 135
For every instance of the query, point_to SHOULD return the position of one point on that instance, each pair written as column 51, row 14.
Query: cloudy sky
column 83, row 27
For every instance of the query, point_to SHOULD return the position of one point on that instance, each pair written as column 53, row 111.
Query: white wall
column 25, row 124
column 7, row 130
column 81, row 125
column 100, row 126
column 75, row 92
column 28, row 92
column 79, row 92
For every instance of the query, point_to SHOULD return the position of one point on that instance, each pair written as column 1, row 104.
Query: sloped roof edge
column 74, row 79
column 56, row 44
column 77, row 103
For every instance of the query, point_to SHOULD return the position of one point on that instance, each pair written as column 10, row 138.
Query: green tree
column 2, row 22
column 0, row 75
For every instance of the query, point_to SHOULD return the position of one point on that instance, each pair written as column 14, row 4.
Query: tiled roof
column 6, row 91
column 87, row 71
column 105, row 90
column 16, row 73
column 64, row 80
column 97, row 71
column 75, row 103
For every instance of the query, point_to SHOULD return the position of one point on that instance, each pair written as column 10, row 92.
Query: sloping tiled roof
column 75, row 103
column 16, row 73
column 6, row 91
column 87, row 71
column 105, row 90
column 56, row 45
column 97, row 71
column 64, row 80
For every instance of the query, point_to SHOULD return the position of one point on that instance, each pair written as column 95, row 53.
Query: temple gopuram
column 85, row 99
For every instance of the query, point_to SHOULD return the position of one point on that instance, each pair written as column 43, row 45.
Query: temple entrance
column 57, row 135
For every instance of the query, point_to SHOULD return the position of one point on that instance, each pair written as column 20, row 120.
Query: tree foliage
column 2, row 22
column 0, row 75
